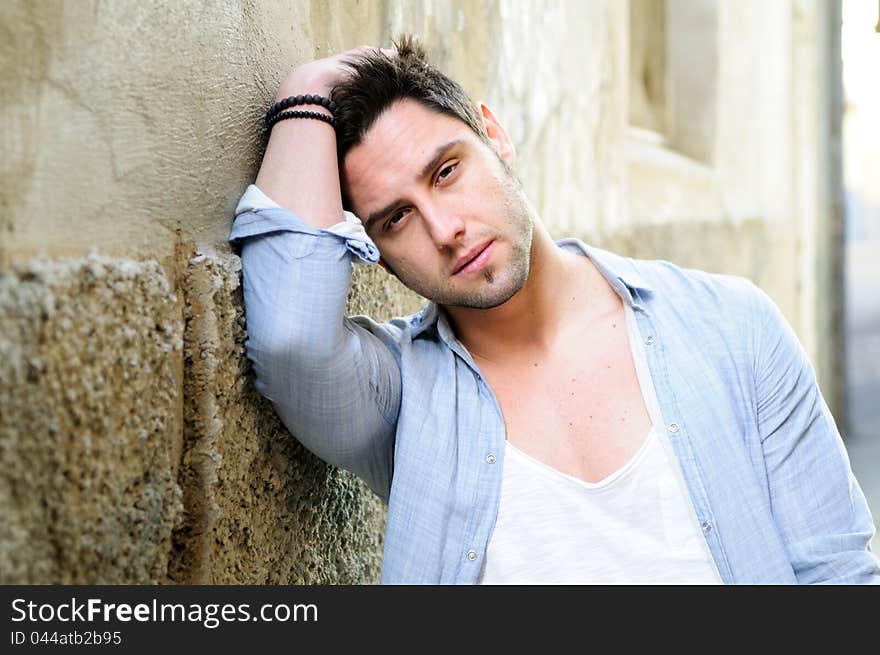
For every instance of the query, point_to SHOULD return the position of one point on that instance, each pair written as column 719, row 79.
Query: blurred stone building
column 133, row 448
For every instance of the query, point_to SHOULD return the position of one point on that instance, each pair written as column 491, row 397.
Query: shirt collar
column 621, row 273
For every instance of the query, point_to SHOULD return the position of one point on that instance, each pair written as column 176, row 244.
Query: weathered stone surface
column 89, row 429
column 98, row 356
column 260, row 509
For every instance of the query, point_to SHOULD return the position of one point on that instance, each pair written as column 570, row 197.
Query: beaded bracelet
column 280, row 116
column 307, row 99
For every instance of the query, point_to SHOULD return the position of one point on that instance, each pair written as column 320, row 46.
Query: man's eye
column 394, row 219
column 446, row 171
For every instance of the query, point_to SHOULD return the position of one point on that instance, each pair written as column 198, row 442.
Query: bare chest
column 580, row 411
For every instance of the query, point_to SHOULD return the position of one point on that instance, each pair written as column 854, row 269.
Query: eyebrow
column 439, row 154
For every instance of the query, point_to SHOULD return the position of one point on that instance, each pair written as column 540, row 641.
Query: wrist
column 292, row 107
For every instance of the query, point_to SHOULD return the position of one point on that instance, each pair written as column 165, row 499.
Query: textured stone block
column 89, row 430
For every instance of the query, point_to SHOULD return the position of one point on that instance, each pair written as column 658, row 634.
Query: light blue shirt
column 403, row 405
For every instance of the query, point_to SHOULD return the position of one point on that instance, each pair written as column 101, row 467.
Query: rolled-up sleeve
column 334, row 381
column 817, row 503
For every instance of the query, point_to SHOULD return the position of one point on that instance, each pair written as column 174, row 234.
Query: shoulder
column 664, row 279
column 687, row 295
column 669, row 278
column 730, row 311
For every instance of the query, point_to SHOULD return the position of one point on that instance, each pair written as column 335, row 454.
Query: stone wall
column 90, row 438
column 133, row 447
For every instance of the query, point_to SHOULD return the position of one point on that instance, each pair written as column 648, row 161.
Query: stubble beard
column 498, row 286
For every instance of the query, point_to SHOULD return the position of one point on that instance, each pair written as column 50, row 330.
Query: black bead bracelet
column 308, row 99
column 280, row 116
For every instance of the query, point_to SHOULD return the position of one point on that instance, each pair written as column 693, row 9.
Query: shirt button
column 490, row 458
column 649, row 340
column 673, row 427
column 472, row 555
column 706, row 526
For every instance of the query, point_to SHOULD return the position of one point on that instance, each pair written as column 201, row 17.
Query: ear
column 497, row 134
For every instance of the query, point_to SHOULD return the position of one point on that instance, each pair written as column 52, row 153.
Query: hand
column 321, row 75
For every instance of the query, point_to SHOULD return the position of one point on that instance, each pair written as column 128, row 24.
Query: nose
column 445, row 227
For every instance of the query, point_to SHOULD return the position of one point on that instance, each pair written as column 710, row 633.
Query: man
column 557, row 413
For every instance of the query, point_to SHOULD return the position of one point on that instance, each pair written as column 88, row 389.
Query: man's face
column 442, row 206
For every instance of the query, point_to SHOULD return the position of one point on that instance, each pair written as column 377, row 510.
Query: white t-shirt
column 636, row 526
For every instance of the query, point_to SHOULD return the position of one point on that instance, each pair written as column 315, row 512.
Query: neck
column 560, row 287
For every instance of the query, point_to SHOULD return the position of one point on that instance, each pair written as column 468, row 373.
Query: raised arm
column 334, row 382
column 299, row 169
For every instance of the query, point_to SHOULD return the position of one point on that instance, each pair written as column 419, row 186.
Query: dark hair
column 378, row 80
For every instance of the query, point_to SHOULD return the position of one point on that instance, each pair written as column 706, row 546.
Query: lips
column 474, row 259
